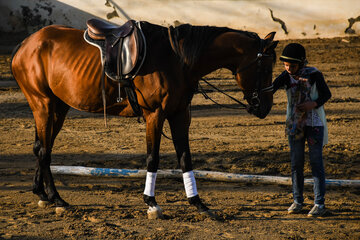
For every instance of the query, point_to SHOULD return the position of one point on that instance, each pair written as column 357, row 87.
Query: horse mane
column 196, row 39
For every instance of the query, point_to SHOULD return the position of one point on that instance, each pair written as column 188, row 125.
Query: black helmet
column 293, row 53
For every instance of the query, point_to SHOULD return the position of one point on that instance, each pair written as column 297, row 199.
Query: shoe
column 317, row 211
column 295, row 208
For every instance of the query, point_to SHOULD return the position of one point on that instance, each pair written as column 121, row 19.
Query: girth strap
column 130, row 92
column 103, row 95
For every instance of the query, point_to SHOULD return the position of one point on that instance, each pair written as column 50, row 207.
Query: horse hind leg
column 49, row 120
column 37, row 144
column 38, row 182
column 60, row 112
column 61, row 109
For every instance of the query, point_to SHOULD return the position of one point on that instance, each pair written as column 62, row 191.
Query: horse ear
column 269, row 43
column 272, row 46
column 270, row 37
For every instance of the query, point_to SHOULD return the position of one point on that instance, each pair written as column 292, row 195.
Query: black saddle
column 99, row 30
column 123, row 51
column 122, row 48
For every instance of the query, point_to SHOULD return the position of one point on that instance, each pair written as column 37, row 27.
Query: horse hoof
column 43, row 204
column 60, row 210
column 155, row 213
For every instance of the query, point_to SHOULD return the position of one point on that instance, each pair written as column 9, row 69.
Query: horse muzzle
column 260, row 107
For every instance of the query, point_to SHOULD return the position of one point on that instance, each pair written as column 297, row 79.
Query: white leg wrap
column 150, row 184
column 190, row 184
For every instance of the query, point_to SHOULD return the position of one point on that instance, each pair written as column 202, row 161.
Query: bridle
column 254, row 100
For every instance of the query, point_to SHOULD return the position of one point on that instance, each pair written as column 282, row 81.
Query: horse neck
column 223, row 54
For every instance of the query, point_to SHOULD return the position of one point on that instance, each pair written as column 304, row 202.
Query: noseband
column 255, row 100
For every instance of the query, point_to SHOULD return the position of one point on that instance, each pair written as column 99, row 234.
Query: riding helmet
column 293, row 53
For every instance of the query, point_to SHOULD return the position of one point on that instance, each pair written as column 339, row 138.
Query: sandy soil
column 221, row 140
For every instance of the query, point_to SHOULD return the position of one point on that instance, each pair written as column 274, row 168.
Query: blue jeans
column 314, row 136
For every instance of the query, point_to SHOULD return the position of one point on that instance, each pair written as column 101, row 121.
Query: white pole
column 208, row 175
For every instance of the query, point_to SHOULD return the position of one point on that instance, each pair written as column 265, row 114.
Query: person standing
column 307, row 92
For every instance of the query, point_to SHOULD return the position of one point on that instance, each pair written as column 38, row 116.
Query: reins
column 206, row 96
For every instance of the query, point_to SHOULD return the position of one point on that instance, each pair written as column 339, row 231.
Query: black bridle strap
column 267, row 89
column 202, row 91
column 255, row 101
column 250, row 64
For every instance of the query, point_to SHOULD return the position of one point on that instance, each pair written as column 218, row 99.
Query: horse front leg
column 154, row 125
column 179, row 125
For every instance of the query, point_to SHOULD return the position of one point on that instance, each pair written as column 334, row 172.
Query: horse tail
column 14, row 51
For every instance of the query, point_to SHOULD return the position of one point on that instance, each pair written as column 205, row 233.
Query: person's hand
column 306, row 106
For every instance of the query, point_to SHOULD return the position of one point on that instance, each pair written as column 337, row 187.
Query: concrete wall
column 303, row 19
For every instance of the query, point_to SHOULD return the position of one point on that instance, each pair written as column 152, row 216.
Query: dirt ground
column 221, row 140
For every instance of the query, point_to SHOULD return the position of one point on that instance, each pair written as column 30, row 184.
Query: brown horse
column 56, row 69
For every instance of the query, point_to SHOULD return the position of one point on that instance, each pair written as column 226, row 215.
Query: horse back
column 57, row 60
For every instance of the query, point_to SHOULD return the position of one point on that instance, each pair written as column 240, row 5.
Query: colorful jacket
column 320, row 92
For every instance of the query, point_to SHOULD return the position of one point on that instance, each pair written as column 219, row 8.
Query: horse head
column 254, row 74
column 203, row 49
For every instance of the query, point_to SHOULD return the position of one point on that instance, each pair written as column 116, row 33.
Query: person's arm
column 323, row 91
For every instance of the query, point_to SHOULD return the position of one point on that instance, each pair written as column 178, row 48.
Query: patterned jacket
column 320, row 92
